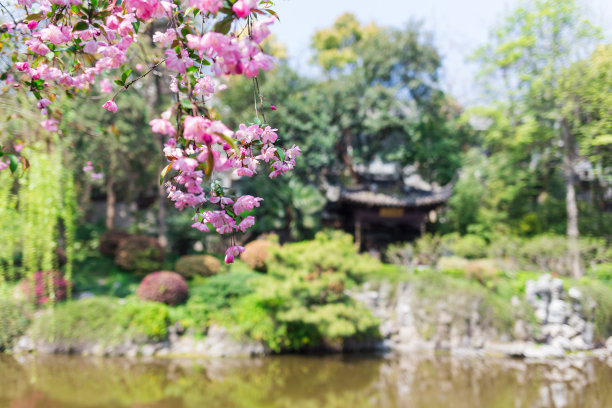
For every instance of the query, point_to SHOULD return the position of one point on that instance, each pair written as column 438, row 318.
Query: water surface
column 303, row 382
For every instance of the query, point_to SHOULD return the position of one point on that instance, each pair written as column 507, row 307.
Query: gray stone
column 562, row 342
column 530, row 292
column 520, row 331
column 85, row 295
column 577, row 322
column 540, row 314
column 578, row 343
column 574, row 293
column 543, row 352
column 24, row 344
column 568, row 331
column 609, row 344
column 589, row 333
column 558, row 311
column 148, row 350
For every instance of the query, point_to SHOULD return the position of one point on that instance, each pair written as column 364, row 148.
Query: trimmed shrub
column 14, row 319
column 47, row 285
column 197, row 265
column 470, row 247
column 164, row 287
column 139, row 253
column 110, row 240
column 255, row 254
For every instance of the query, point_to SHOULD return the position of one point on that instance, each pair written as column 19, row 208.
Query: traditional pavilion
column 390, row 205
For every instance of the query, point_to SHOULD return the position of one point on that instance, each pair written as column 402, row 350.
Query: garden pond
column 303, row 381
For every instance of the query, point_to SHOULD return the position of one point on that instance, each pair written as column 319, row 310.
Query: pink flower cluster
column 72, row 48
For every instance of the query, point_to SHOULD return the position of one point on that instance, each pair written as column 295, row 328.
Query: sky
column 459, row 27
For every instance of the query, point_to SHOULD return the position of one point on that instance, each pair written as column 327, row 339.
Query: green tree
column 526, row 57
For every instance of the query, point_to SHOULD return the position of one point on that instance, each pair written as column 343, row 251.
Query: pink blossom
column 162, row 126
column 106, row 86
column 110, row 106
column 43, row 103
column 55, row 35
column 4, row 165
column 165, row 39
column 245, row 224
column 49, row 124
column 179, row 64
column 90, row 47
column 207, row 6
column 18, row 147
column 37, row 46
column 32, row 24
column 22, row 66
column 272, row 107
column 242, row 8
column 97, row 176
column 246, row 203
column 260, row 29
column 89, row 167
column 204, row 87
column 269, row 135
column 231, row 252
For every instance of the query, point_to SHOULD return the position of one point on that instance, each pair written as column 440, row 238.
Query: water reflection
column 303, row 381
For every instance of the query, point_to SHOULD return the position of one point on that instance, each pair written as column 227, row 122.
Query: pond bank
column 547, row 322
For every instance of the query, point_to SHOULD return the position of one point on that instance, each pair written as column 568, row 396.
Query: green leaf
column 136, row 25
column 119, row 82
column 35, row 16
column 257, row 121
column 80, row 26
column 163, row 173
column 94, row 3
column 224, row 25
column 14, row 162
column 125, row 75
column 281, row 153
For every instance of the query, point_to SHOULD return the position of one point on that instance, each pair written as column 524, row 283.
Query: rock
column 97, row 350
column 568, row 331
column 574, row 293
column 558, row 311
column 551, row 330
column 556, row 288
column 578, row 343
column 577, row 322
column 562, row 342
column 609, row 344
column 588, row 334
column 542, row 285
column 540, row 314
column 543, row 352
column 148, row 350
column 24, row 344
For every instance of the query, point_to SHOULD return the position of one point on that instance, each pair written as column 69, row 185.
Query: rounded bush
column 110, row 240
column 197, row 265
column 42, row 285
column 165, row 287
column 255, row 254
column 139, row 253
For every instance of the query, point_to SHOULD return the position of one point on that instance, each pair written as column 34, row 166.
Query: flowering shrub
column 139, row 253
column 164, row 287
column 47, row 286
column 71, row 45
column 197, row 265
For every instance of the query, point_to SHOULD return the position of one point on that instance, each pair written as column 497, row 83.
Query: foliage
column 469, row 246
column 256, row 254
column 189, row 266
column 44, row 286
column 211, row 297
column 15, row 317
column 100, row 276
column 102, row 320
column 139, row 253
column 44, row 192
column 164, row 287
column 301, row 302
column 597, row 304
column 110, row 240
